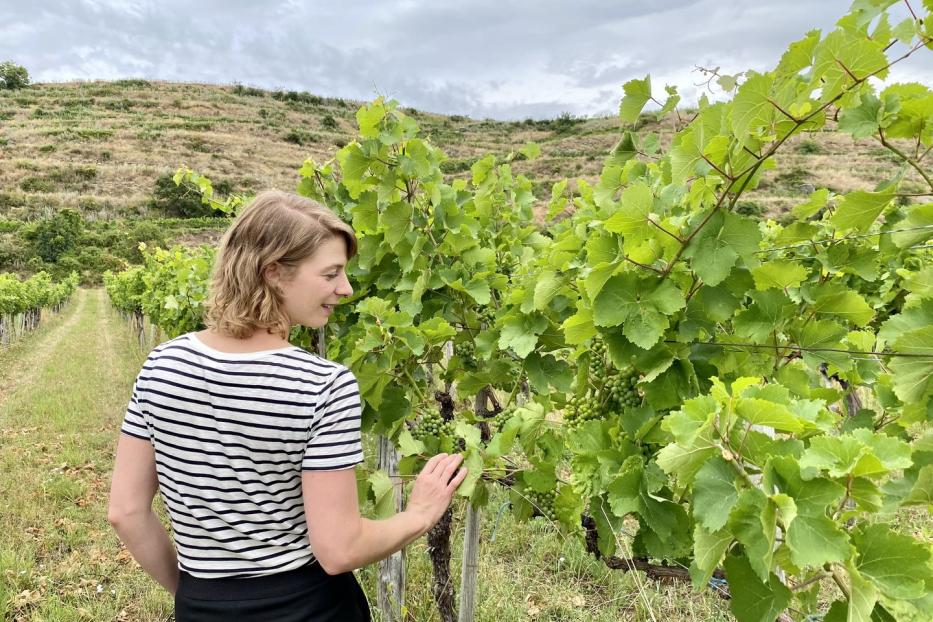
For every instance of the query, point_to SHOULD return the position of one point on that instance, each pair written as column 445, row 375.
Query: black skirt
column 307, row 594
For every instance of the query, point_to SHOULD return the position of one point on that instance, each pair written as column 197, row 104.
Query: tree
column 13, row 76
column 56, row 236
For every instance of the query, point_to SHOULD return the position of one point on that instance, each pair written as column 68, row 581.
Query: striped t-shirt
column 232, row 434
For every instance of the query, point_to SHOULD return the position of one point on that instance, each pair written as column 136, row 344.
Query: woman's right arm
column 342, row 540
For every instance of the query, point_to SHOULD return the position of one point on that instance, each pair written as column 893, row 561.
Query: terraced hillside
column 98, row 147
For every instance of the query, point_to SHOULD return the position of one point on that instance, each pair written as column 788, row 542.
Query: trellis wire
column 848, row 237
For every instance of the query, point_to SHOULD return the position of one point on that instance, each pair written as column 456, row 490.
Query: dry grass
column 131, row 132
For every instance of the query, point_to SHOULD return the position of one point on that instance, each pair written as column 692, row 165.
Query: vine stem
column 414, row 384
column 814, row 579
column 673, row 235
column 641, row 265
column 904, row 157
column 840, row 582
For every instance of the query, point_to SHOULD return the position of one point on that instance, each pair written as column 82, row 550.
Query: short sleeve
column 134, row 421
column 334, row 441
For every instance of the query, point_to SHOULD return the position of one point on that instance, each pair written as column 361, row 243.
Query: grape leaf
column 858, row 210
column 815, row 540
column 753, row 600
column 637, row 94
column 912, row 374
column 753, row 521
column 896, row 564
column 751, row 108
column 708, row 549
column 714, row 494
column 778, row 274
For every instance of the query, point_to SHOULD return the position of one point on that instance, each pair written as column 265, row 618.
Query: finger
column 458, row 479
column 432, row 464
column 449, row 467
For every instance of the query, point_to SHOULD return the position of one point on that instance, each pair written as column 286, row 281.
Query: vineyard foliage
column 756, row 396
column 35, row 293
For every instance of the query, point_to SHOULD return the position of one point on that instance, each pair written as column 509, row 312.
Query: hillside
column 98, row 147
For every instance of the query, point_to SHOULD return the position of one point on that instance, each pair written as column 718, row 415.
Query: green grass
column 56, row 450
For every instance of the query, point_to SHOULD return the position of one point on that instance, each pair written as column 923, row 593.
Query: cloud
column 485, row 58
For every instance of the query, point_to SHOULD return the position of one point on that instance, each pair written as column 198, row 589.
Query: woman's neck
column 258, row 341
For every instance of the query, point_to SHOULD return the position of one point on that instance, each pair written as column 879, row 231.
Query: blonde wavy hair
column 275, row 228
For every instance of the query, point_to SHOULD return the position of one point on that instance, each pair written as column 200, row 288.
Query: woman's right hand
column 435, row 486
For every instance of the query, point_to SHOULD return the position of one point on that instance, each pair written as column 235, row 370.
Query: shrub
column 13, row 76
column 297, row 97
column 565, row 123
column 13, row 251
column 36, row 184
column 329, row 122
column 198, row 144
column 133, row 83
column 197, row 125
column 749, row 208
column 119, row 105
column 809, row 147
column 251, row 91
column 455, row 166
column 300, row 137
column 184, row 201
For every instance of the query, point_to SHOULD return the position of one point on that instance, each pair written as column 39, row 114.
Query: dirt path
column 18, row 369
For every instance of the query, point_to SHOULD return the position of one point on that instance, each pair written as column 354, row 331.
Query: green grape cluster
column 542, row 502
column 487, row 315
column 432, row 424
column 466, row 350
column 597, row 359
column 622, row 388
column 501, row 418
column 580, row 410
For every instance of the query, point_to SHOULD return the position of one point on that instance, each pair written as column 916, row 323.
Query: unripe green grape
column 581, row 410
column 431, row 424
column 542, row 503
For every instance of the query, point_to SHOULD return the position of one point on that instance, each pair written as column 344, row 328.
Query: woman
column 251, row 442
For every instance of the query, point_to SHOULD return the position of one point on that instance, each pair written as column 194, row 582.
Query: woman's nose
column 345, row 289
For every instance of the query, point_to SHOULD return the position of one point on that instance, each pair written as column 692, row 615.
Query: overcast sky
column 483, row 58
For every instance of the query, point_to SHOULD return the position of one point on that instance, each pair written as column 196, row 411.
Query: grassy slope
column 99, row 146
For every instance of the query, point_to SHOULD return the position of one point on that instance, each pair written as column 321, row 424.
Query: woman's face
column 318, row 283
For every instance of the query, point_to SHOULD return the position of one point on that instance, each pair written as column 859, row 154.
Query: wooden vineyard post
column 469, row 569
column 390, row 584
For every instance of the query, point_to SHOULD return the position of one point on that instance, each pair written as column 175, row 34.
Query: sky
column 500, row 59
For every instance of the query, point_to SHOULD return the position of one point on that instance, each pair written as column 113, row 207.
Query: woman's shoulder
column 317, row 363
column 175, row 343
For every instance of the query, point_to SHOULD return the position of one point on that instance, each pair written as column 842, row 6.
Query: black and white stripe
column 232, row 434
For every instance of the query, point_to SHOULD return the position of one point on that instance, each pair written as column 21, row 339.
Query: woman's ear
column 271, row 274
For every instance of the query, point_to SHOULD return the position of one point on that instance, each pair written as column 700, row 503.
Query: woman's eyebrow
column 333, row 267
